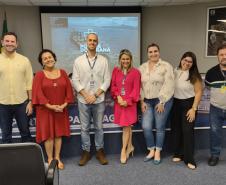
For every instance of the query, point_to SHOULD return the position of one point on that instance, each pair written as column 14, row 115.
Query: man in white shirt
column 91, row 79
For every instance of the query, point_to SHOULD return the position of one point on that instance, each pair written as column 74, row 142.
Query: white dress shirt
column 183, row 87
column 82, row 76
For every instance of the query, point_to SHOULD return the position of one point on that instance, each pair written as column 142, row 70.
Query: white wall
column 178, row 29
column 175, row 28
column 25, row 22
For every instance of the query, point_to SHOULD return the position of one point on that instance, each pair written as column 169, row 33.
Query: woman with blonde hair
column 125, row 90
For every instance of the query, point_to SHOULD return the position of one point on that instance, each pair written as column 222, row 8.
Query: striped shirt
column 216, row 80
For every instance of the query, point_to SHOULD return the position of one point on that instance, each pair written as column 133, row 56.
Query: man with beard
column 91, row 79
column 15, row 89
column 216, row 81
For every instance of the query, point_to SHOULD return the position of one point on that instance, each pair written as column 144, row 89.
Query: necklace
column 52, row 75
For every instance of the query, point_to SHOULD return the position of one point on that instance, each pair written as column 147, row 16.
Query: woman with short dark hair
column 51, row 93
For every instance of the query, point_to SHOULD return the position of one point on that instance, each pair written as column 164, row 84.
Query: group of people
column 165, row 94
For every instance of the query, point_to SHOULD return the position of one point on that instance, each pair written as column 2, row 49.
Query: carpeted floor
column 137, row 172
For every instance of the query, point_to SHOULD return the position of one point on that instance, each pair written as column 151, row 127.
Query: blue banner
column 202, row 120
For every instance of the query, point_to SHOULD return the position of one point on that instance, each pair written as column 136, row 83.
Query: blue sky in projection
column 115, row 33
column 103, row 21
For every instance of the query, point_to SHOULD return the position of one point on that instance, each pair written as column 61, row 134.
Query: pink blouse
column 129, row 91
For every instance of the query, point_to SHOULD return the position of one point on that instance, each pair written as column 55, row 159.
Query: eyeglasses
column 188, row 61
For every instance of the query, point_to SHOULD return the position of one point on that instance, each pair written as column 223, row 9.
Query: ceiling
column 102, row 2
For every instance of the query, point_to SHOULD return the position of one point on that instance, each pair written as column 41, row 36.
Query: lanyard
column 124, row 77
column 91, row 66
column 123, row 80
column 123, row 92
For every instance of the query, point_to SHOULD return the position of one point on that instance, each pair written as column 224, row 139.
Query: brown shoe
column 100, row 155
column 85, row 157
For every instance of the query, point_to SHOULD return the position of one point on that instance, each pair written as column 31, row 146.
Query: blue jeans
column 160, row 119
column 94, row 113
column 7, row 112
column 217, row 117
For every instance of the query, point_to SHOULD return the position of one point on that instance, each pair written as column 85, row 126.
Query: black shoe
column 213, row 160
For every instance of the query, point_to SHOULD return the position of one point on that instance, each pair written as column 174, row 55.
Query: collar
column 159, row 63
column 93, row 58
column 8, row 56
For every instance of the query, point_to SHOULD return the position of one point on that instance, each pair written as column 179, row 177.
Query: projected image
column 67, row 37
column 216, row 30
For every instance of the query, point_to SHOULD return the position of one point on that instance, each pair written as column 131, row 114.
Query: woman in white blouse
column 187, row 95
column 157, row 81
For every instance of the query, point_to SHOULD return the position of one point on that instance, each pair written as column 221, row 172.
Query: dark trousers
column 7, row 113
column 182, row 130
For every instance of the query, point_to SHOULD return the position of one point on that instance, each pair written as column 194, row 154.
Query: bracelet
column 95, row 95
column 194, row 108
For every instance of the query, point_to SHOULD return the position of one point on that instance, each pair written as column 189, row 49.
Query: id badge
column 91, row 83
column 123, row 92
column 223, row 89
